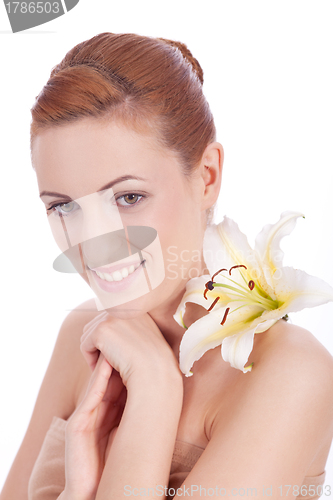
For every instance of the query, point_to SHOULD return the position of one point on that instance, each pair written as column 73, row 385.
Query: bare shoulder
column 272, row 425
column 67, row 351
column 295, row 350
column 288, row 393
column 64, row 371
column 285, row 351
column 287, row 359
column 63, row 375
column 294, row 366
column 57, row 396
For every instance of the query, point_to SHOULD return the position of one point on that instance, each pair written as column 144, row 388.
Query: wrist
column 162, row 380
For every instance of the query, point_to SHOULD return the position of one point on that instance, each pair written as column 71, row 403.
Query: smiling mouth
column 116, row 273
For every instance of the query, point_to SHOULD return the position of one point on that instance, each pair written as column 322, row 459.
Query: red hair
column 149, row 83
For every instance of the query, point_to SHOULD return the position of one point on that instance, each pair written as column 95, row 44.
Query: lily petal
column 296, row 289
column 251, row 298
column 262, row 327
column 236, row 349
column 267, row 243
column 198, row 339
column 225, row 245
column 215, row 252
column 207, row 332
column 193, row 293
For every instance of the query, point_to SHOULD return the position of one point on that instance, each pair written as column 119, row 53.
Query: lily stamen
column 218, row 272
column 268, row 303
column 213, row 304
column 234, row 267
column 210, row 285
column 241, row 290
column 225, row 316
column 251, row 284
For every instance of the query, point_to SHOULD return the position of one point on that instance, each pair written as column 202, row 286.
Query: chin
column 125, row 312
column 134, row 308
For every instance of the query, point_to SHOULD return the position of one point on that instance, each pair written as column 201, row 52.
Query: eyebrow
column 107, row 186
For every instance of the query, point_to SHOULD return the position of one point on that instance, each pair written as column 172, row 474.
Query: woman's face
column 110, row 179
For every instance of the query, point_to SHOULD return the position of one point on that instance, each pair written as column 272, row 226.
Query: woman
column 122, row 137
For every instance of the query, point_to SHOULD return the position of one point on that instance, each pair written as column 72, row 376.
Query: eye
column 64, row 209
column 129, row 199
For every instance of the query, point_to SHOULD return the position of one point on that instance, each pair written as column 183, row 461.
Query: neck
column 163, row 316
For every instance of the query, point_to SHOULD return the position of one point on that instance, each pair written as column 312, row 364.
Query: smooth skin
column 269, row 427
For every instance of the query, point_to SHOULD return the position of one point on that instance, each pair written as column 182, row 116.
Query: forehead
column 85, row 155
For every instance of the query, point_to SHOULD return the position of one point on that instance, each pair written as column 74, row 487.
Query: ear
column 211, row 173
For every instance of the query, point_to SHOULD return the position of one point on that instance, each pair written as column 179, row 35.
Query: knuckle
column 99, row 394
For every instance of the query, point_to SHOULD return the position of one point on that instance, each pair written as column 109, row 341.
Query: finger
column 113, row 411
column 89, row 349
column 96, row 371
column 91, row 353
column 114, row 389
column 91, row 356
column 97, row 386
column 93, row 323
column 97, row 318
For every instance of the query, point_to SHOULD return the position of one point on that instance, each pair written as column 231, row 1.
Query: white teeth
column 124, row 272
column 118, row 275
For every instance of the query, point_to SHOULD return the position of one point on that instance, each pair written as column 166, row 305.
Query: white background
column 268, row 79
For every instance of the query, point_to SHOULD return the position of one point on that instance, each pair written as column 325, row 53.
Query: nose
column 96, row 217
column 105, row 248
column 95, row 252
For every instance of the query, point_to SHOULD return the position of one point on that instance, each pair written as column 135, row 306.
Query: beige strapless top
column 47, row 479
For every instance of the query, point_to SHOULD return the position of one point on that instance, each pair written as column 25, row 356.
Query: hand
column 134, row 347
column 90, row 431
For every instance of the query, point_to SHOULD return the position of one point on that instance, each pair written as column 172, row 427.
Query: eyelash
column 54, row 207
column 140, row 196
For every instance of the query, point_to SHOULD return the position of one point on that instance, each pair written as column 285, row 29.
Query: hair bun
column 187, row 54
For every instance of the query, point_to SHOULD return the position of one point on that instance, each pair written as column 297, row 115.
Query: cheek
column 181, row 239
column 179, row 208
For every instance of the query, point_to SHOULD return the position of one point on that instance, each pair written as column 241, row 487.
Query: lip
column 110, row 269
column 117, row 286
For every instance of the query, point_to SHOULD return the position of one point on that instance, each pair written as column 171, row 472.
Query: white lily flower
column 248, row 295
